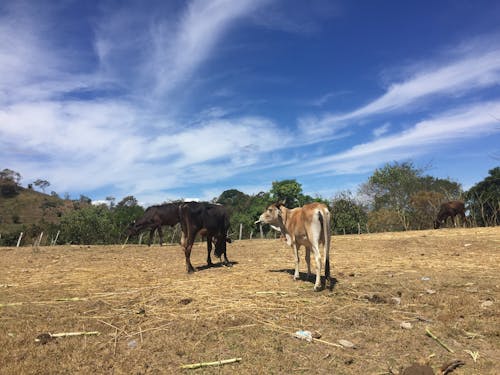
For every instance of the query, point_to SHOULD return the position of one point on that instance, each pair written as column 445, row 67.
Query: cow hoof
column 317, row 288
column 295, row 278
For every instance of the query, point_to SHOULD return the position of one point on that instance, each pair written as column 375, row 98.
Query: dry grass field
column 153, row 317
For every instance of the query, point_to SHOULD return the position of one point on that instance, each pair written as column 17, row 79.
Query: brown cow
column 307, row 226
column 450, row 209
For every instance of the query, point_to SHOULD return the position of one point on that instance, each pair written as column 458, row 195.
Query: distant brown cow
column 450, row 209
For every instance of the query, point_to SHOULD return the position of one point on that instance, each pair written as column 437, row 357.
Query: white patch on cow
column 288, row 239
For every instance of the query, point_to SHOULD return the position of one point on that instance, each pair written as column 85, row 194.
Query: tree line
column 396, row 197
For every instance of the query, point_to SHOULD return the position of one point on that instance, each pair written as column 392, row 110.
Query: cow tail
column 324, row 218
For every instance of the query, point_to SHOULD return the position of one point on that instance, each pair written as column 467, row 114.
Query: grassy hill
column 27, row 208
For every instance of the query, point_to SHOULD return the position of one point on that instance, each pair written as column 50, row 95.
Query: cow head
column 437, row 224
column 220, row 245
column 271, row 215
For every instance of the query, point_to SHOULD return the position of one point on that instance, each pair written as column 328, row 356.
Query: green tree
column 347, row 213
column 393, row 186
column 126, row 211
column 42, row 184
column 244, row 209
column 234, row 200
column 10, row 175
column 449, row 189
column 483, row 200
column 128, row 201
column 287, row 191
column 88, row 225
column 9, row 183
column 111, row 201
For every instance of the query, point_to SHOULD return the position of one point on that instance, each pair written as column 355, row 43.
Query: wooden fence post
column 359, row 229
column 261, row 232
column 19, row 239
column 251, row 234
column 37, row 243
column 241, row 230
column 54, row 241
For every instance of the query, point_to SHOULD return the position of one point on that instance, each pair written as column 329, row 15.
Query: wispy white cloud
column 475, row 70
column 326, row 98
column 84, row 144
column 127, row 134
column 202, row 26
column 76, row 140
column 463, row 123
column 298, row 17
column 381, row 130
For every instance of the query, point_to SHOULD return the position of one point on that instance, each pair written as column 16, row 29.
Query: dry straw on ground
column 153, row 318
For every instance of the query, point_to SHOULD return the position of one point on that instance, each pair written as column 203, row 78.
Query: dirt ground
column 152, row 317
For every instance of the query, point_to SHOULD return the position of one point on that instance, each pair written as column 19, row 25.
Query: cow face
column 220, row 246
column 271, row 215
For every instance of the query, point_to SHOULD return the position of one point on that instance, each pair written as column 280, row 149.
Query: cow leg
column 226, row 262
column 308, row 262
column 151, row 234
column 317, row 258
column 160, row 233
column 296, row 275
column 209, row 250
column 223, row 240
column 187, row 252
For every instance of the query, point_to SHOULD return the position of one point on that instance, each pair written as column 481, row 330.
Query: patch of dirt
column 152, row 317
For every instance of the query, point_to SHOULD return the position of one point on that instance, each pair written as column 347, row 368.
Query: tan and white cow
column 307, row 226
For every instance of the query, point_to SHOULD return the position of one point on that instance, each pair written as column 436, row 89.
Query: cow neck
column 282, row 220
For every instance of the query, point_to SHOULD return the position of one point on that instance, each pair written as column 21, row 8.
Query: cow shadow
column 311, row 279
column 214, row 265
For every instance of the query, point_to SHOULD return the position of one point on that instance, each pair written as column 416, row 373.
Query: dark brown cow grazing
column 450, row 209
column 154, row 218
column 211, row 220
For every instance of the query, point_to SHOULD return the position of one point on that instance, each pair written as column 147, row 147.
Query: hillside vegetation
column 28, row 208
column 397, row 197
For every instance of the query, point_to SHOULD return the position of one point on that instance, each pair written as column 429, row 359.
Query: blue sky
column 185, row 99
